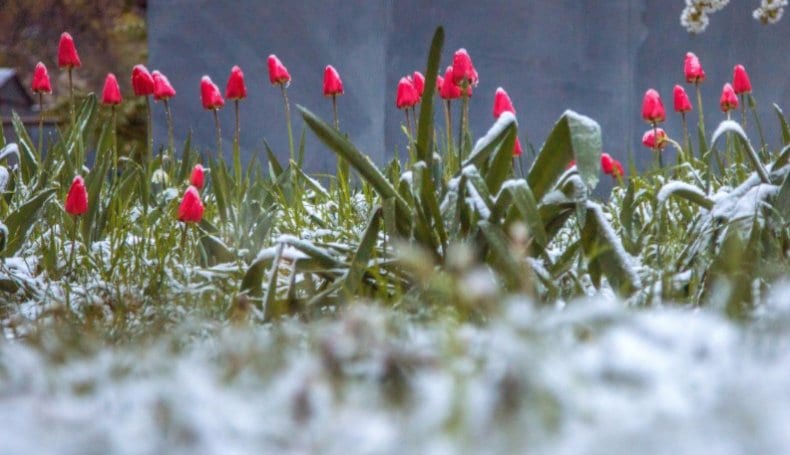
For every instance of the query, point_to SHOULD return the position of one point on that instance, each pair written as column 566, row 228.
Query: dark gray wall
column 596, row 57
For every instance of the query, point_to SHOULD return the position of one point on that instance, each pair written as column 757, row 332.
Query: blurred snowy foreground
column 593, row 377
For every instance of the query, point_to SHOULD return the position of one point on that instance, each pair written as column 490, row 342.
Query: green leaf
column 425, row 126
column 574, row 137
column 501, row 258
column 606, row 254
column 516, row 193
column 501, row 165
column 487, row 144
column 359, row 263
column 186, row 158
column 275, row 168
column 346, row 150
column 782, row 201
column 783, row 123
column 22, row 219
column 732, row 127
column 686, row 191
column 28, row 161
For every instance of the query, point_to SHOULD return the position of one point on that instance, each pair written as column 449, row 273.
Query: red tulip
column 517, row 151
column 191, row 208
column 333, row 85
column 198, row 177
column 142, row 82
column 439, row 84
column 162, row 88
column 570, row 165
column 693, row 69
column 209, row 94
column 111, row 95
column 728, row 99
column 682, row 102
column 419, row 82
column 649, row 139
column 236, row 89
column 502, row 103
column 77, row 197
column 463, row 69
column 653, row 107
column 41, row 82
column 67, row 52
column 449, row 91
column 407, row 95
column 278, row 74
column 740, row 80
column 618, row 170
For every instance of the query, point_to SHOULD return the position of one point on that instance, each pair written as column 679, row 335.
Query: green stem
column 334, row 112
column 71, row 99
column 150, row 145
column 464, row 122
column 763, row 144
column 114, row 144
column 219, row 133
column 40, row 124
column 701, row 115
column 170, row 140
column 73, row 243
column 686, row 137
column 288, row 122
column 236, row 147
column 448, row 128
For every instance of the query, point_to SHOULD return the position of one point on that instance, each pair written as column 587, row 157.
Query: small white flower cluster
column 770, row 11
column 695, row 16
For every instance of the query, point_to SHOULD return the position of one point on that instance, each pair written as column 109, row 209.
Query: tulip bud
column 111, row 95
column 439, row 84
column 419, row 83
column 502, row 103
column 278, row 74
column 517, row 150
column 67, row 52
column 41, row 82
column 463, row 69
column 198, row 177
column 142, row 82
column 406, row 95
column 693, row 69
column 729, row 100
column 191, row 208
column 449, row 90
column 607, row 163
column 333, row 85
column 77, row 197
column 682, row 102
column 236, row 89
column 162, row 88
column 653, row 107
column 209, row 94
column 649, row 139
column 740, row 80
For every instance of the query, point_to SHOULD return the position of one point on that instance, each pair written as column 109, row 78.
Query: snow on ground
column 593, row 377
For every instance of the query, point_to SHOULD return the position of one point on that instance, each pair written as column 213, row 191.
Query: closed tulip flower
column 333, row 85
column 77, row 197
column 278, row 74
column 649, row 139
column 729, row 100
column 464, row 71
column 502, row 103
column 41, row 83
column 740, row 80
column 682, row 102
column 190, row 210
column 210, row 95
column 419, row 83
column 406, row 95
column 198, row 176
column 610, row 166
column 162, row 88
column 449, row 90
column 692, row 69
column 111, row 95
column 236, row 89
column 67, row 52
column 142, row 81
column 653, row 107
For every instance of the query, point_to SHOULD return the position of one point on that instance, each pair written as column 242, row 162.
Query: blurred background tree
column 110, row 35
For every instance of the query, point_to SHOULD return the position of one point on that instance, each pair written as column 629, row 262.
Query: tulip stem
column 114, row 143
column 464, row 122
column 71, row 98
column 701, row 116
column 150, row 145
column 408, row 134
column 73, row 243
column 236, row 147
column 334, row 112
column 170, row 141
column 40, row 124
column 288, row 122
column 686, row 137
column 448, row 127
column 753, row 108
column 743, row 110
column 219, row 133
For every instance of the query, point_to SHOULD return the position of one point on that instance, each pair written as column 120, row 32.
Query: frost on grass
column 629, row 263
column 675, row 186
column 594, row 375
column 504, row 121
